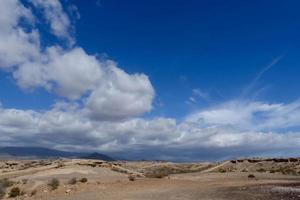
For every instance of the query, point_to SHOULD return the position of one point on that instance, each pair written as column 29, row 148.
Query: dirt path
column 215, row 167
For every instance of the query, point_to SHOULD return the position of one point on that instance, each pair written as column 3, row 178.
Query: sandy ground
column 107, row 184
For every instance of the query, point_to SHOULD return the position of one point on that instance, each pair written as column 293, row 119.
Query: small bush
column 72, row 181
column 60, row 165
column 288, row 171
column 272, row 171
column 221, row 170
column 54, row 183
column 33, row 192
column 14, row 192
column 118, row 169
column 24, row 181
column 131, row 177
column 83, row 180
column 156, row 175
column 251, row 176
column 261, row 170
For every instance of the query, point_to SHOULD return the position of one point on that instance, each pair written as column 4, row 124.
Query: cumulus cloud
column 63, row 127
column 70, row 73
column 17, row 45
column 120, row 95
column 106, row 91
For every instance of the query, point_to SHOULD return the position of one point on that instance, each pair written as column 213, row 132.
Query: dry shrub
column 251, row 176
column 261, row 170
column 118, row 169
column 14, row 192
column 33, row 192
column 83, row 180
column 72, row 181
column 131, row 177
column 54, row 183
column 221, row 170
column 60, row 165
column 24, row 181
column 156, row 174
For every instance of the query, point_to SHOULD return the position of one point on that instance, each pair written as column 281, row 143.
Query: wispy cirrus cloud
column 251, row 86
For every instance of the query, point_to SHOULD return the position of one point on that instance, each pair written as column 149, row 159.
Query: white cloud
column 106, row 91
column 250, row 115
column 16, row 45
column 56, row 17
column 69, row 73
column 120, row 95
column 66, row 128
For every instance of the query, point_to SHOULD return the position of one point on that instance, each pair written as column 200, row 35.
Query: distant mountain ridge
column 43, row 153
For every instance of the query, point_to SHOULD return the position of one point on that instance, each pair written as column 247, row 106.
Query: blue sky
column 215, row 46
column 166, row 66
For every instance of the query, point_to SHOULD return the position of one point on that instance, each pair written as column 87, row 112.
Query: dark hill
column 98, row 156
column 44, row 153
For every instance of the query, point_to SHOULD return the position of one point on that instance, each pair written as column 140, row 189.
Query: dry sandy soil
column 273, row 180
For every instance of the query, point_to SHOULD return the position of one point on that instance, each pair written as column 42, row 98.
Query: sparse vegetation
column 156, row 174
column 119, row 169
column 54, row 183
column 14, row 192
column 131, row 177
column 72, row 181
column 33, row 192
column 60, row 165
column 83, row 180
column 24, row 181
column 261, row 170
column 221, row 170
column 251, row 176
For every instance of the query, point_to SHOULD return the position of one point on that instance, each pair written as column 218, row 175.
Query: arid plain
column 247, row 179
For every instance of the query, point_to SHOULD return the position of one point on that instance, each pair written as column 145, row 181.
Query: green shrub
column 14, row 192
column 54, row 183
